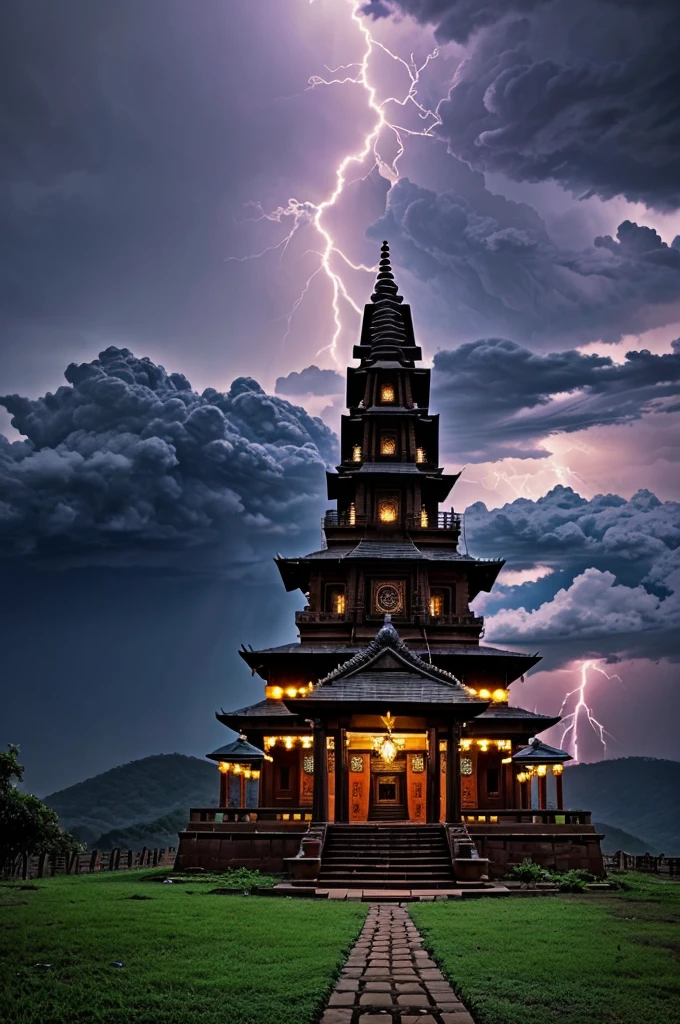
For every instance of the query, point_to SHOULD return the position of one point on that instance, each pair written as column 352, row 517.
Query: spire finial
column 385, row 287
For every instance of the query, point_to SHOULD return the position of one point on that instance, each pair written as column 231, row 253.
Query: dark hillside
column 640, row 795
column 139, row 791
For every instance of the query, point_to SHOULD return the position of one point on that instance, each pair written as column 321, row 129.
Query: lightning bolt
column 299, row 214
column 570, row 722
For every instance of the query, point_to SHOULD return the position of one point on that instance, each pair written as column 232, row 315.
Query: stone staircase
column 385, row 856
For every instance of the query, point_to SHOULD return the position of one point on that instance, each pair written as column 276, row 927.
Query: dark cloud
column 582, row 92
column 499, row 399
column 130, row 458
column 454, row 19
column 310, row 381
column 562, row 529
column 619, row 560
column 500, row 268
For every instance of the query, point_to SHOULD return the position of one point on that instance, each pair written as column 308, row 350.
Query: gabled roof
column 388, row 671
column 539, row 752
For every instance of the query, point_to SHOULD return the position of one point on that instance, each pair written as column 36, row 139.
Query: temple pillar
column 223, row 790
column 452, row 773
column 341, row 778
column 320, row 800
column 542, row 792
column 432, row 776
column 559, row 792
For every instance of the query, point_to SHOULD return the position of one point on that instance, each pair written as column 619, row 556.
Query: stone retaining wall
column 557, row 851
column 217, row 850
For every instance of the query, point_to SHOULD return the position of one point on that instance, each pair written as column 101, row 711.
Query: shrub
column 528, row 873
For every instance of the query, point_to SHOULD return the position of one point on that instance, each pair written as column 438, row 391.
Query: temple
column 389, row 713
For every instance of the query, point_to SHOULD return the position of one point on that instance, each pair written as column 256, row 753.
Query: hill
column 614, row 839
column 640, row 795
column 147, row 790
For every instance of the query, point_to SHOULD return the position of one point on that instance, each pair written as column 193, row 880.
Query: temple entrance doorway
column 388, row 790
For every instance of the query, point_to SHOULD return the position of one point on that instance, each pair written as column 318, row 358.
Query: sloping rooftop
column 240, row 750
column 395, row 687
column 539, row 752
column 503, row 711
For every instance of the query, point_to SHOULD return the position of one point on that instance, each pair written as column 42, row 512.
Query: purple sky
column 180, row 186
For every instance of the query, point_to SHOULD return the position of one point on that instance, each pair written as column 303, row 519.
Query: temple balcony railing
column 343, row 520
column 455, row 620
column 523, row 816
column 307, row 615
column 440, row 521
column 228, row 815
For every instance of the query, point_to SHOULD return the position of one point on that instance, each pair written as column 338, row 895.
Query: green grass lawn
column 588, row 959
column 190, row 957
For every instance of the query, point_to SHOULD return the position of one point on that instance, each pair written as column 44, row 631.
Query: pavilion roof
column 240, row 751
column 539, row 752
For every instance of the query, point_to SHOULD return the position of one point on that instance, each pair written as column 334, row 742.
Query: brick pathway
column 389, row 975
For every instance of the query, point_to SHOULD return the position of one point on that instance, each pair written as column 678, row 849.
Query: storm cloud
column 502, row 269
column 562, row 530
column 582, row 92
column 500, row 400
column 128, row 457
column 310, row 381
column 618, row 561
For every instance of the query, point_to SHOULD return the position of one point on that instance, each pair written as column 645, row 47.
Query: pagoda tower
column 387, row 707
column 388, row 548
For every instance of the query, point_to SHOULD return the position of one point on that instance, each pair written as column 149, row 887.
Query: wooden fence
column 46, row 865
column 667, row 867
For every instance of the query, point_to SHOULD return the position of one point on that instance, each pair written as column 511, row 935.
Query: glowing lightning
column 570, row 722
column 305, row 213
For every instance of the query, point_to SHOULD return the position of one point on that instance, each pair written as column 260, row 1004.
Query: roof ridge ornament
column 387, row 637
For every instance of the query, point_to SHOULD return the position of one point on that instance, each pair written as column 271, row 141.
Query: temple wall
column 243, row 846
column 562, row 848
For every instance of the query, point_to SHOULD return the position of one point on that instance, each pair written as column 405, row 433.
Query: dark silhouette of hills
column 145, row 802
column 640, row 795
column 147, row 790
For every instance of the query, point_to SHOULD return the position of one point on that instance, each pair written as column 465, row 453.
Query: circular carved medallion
column 388, row 598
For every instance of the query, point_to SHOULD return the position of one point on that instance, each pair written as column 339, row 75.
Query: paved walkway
column 388, row 974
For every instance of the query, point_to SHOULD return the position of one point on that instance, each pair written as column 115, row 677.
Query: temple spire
column 385, row 286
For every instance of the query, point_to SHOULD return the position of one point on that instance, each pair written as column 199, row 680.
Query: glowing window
column 388, row 510
column 424, row 518
column 388, row 444
column 436, row 605
column 387, row 393
column 356, row 453
column 420, row 455
column 352, row 515
column 338, row 601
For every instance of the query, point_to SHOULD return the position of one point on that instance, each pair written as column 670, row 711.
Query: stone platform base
column 555, row 847
column 261, row 845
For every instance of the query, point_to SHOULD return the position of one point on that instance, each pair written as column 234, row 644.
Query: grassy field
column 188, row 956
column 563, row 960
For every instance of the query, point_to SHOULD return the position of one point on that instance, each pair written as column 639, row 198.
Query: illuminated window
column 424, row 518
column 352, row 514
column 356, row 453
column 336, row 600
column 436, row 605
column 388, row 444
column 420, row 455
column 387, row 393
column 388, row 510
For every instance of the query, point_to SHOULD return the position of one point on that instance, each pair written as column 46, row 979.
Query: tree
column 27, row 825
